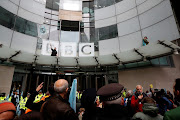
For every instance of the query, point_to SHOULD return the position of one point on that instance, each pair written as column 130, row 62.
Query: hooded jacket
column 150, row 112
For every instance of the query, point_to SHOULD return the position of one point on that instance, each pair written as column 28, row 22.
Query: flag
column 72, row 96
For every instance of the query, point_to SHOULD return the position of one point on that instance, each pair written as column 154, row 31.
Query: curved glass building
column 97, row 42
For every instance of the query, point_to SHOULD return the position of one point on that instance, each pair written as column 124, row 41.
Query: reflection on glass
column 26, row 27
column 107, row 32
column 105, row 3
column 6, row 18
column 52, row 4
column 163, row 61
column 73, row 5
column 69, row 36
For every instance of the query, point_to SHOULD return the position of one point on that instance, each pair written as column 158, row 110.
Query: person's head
column 3, row 94
column 148, row 100
column 145, row 37
column 55, row 48
column 168, row 92
column 40, row 92
column 176, row 88
column 28, row 95
column 139, row 89
column 15, row 93
column 7, row 110
column 61, row 87
column 88, row 99
column 129, row 93
column 111, row 94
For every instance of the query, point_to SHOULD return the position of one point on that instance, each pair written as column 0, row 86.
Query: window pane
column 26, row 27
column 113, row 31
column 104, row 3
column 20, row 25
column 108, row 32
column 155, row 61
column 118, row 1
column 52, row 4
column 31, row 29
column 6, row 18
column 103, row 33
column 163, row 61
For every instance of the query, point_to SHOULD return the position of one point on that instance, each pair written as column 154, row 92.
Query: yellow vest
column 22, row 103
column 2, row 98
column 38, row 98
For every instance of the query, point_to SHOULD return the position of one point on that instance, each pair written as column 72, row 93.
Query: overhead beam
column 162, row 43
column 18, row 52
column 77, row 61
column 118, row 59
column 136, row 50
column 96, row 60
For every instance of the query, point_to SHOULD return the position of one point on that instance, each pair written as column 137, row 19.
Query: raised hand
column 39, row 87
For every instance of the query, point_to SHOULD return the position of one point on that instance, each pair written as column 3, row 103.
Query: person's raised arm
column 29, row 103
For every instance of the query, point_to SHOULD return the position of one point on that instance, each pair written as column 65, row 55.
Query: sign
column 47, row 45
column 86, row 49
column 68, row 49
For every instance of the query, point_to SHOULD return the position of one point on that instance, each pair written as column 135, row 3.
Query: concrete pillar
column 6, row 76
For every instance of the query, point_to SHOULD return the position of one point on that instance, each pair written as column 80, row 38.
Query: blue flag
column 72, row 96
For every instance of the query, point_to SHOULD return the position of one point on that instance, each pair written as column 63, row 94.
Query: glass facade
column 52, row 4
column 6, row 18
column 107, row 32
column 105, row 3
column 19, row 24
column 26, row 27
column 163, row 61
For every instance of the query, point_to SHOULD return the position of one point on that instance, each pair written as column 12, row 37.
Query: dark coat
column 58, row 109
column 113, row 112
column 35, row 106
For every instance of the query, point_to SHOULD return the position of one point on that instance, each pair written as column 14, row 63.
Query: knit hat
column 6, row 106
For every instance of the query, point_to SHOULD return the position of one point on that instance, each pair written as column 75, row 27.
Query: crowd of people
column 110, row 102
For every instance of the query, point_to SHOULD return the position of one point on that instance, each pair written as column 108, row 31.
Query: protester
column 58, row 107
column 174, row 114
column 37, row 106
column 88, row 101
column 136, row 99
column 150, row 111
column 7, row 110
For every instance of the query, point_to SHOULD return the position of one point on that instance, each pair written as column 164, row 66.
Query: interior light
column 175, row 52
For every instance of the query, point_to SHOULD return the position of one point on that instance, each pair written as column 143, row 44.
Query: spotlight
column 99, row 66
column 33, row 64
column 78, row 67
column 175, row 52
column 120, row 63
column 57, row 66
column 144, row 59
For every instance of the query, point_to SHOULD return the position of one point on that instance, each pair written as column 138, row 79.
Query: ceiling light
column 144, row 59
column 175, row 52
